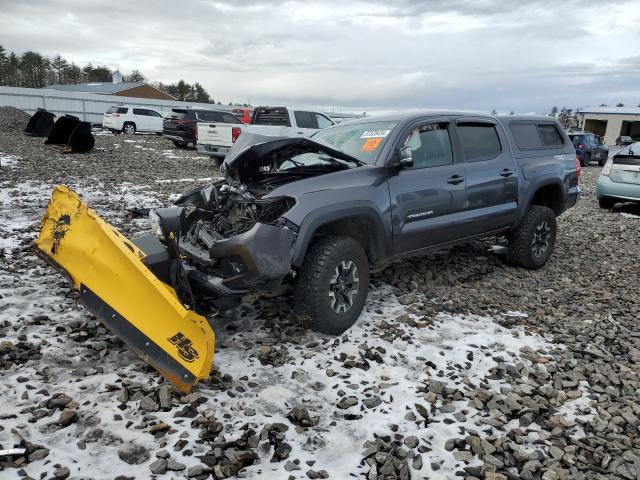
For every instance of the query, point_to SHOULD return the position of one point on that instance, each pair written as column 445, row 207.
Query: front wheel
column 179, row 144
column 586, row 160
column 531, row 244
column 332, row 285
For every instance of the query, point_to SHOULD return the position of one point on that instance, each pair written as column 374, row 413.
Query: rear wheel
column 179, row 144
column 586, row 160
column 531, row 244
column 606, row 202
column 332, row 285
column 129, row 128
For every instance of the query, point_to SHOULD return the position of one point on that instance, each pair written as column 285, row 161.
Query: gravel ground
column 460, row 366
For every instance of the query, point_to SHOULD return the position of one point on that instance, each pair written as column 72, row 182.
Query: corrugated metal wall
column 87, row 106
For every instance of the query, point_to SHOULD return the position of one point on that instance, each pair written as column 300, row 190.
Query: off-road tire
column 126, row 124
column 312, row 302
column 522, row 241
column 179, row 144
column 602, row 161
column 607, row 203
column 586, row 160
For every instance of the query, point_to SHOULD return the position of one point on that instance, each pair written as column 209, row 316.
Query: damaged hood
column 253, row 152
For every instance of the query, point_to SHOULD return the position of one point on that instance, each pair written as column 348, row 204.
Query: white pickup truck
column 215, row 139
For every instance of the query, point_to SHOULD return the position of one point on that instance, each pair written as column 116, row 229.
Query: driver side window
column 430, row 146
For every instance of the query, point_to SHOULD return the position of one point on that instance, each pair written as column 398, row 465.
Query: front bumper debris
column 116, row 286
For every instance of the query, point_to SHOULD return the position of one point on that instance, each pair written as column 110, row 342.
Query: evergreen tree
column 620, row 105
column 33, row 70
column 3, row 65
column 201, row 94
column 135, row 76
column 59, row 66
column 554, row 111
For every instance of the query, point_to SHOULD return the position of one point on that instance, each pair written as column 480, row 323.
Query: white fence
column 86, row 106
column 90, row 107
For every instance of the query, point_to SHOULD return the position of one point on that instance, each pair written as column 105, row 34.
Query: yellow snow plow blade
column 117, row 287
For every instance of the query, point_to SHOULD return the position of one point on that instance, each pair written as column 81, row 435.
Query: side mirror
column 405, row 158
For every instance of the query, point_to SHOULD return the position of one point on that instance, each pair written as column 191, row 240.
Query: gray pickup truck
column 315, row 215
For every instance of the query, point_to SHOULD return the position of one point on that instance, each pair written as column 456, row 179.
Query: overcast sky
column 381, row 55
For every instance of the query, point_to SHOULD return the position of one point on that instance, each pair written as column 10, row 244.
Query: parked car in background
column 589, row 148
column 216, row 139
column 244, row 114
column 620, row 178
column 624, row 140
column 129, row 119
column 180, row 126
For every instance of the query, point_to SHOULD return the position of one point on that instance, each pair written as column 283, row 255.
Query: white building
column 610, row 122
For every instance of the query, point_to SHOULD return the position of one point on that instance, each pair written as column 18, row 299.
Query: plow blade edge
column 117, row 287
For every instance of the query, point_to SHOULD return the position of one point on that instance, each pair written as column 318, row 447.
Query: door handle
column 455, row 179
column 300, row 133
column 506, row 173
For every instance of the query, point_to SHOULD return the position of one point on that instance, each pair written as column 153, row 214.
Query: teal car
column 620, row 178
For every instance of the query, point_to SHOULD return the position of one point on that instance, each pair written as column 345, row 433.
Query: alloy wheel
column 541, row 237
column 343, row 286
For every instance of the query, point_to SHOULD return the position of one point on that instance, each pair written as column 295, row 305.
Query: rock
column 411, row 441
column 38, row 454
column 175, row 466
column 198, row 470
column 123, row 395
column 133, row 454
column 164, row 397
column 62, row 472
column 159, row 467
column 346, row 402
column 59, row 401
column 147, row 404
column 67, row 417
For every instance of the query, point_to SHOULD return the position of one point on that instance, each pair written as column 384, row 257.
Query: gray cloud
column 373, row 55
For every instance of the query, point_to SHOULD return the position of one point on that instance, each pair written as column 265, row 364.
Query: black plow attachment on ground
column 40, row 123
column 73, row 133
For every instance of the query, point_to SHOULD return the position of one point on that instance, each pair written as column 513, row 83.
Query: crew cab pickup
column 215, row 139
column 315, row 215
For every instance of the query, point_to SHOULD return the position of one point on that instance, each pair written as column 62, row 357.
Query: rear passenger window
column 210, row 116
column 526, row 135
column 550, row 135
column 479, row 141
column 323, row 122
column 306, row 119
column 430, row 146
column 227, row 118
column 139, row 111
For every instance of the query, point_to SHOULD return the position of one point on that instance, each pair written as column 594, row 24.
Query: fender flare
column 533, row 188
column 331, row 213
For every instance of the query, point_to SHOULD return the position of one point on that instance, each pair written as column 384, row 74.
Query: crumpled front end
column 236, row 240
column 115, row 284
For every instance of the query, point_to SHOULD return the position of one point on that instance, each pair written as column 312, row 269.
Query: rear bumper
column 179, row 136
column 572, row 197
column 213, row 150
column 606, row 188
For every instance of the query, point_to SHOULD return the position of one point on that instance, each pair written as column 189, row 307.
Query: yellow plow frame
column 117, row 287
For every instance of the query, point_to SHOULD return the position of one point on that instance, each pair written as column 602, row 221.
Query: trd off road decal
column 184, row 346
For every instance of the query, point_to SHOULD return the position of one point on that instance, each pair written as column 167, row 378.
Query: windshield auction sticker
column 375, row 133
column 371, row 144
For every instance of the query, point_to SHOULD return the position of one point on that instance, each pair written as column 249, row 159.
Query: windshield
column 363, row 141
column 313, row 158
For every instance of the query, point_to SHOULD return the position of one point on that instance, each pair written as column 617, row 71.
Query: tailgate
column 213, row 133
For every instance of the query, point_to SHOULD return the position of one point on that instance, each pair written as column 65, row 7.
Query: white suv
column 129, row 119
